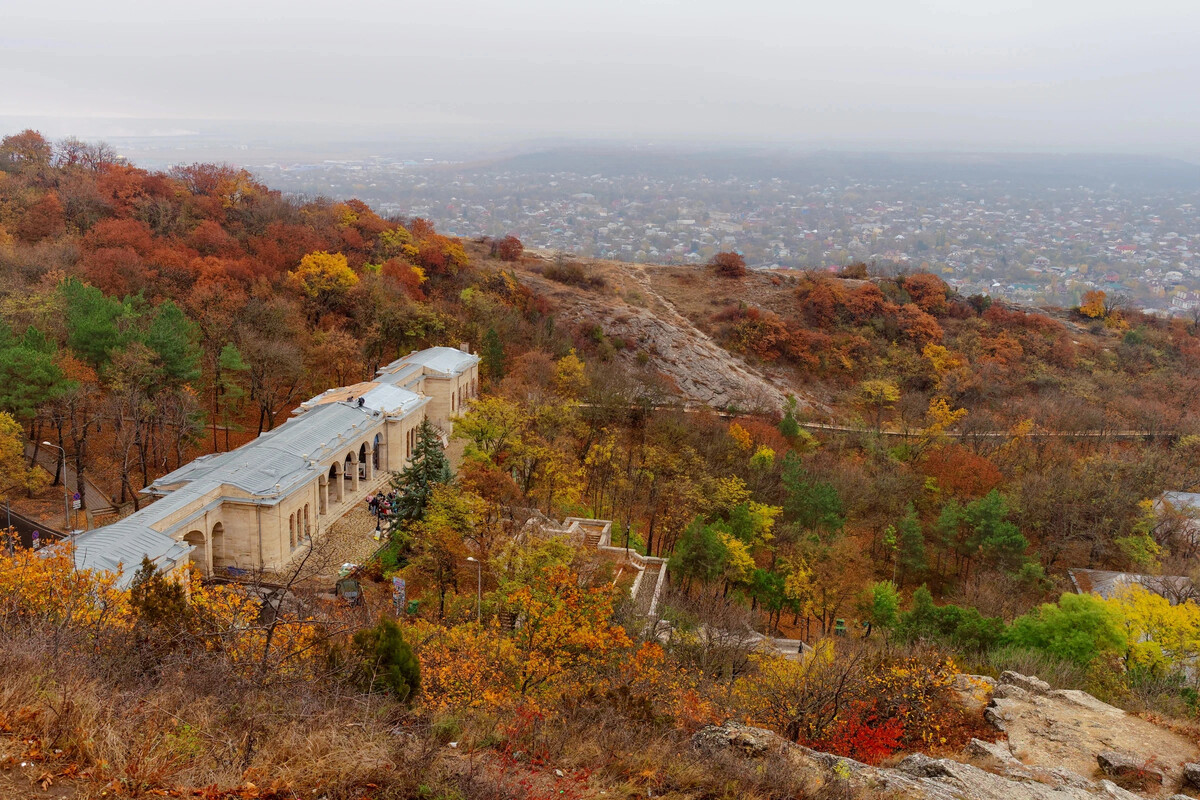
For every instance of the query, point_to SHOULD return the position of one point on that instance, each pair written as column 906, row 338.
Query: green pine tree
column 788, row 426
column 96, row 325
column 492, row 353
column 385, row 662
column 227, row 391
column 172, row 337
column 879, row 606
column 428, row 468
column 814, row 505
column 911, row 561
column 999, row 541
column 157, row 601
column 29, row 376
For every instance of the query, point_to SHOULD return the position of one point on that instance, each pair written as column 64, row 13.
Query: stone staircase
column 596, row 535
column 646, row 589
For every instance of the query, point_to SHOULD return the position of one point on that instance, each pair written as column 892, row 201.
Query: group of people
column 382, row 505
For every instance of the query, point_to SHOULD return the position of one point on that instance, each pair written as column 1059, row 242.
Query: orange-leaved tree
column 1093, row 304
column 566, row 631
column 729, row 265
column 464, row 666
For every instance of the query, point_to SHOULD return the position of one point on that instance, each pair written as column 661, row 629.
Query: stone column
column 354, row 474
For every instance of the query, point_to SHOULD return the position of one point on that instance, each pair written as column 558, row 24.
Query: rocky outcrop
column 1191, row 776
column 1061, row 745
column 1129, row 767
column 917, row 777
column 1071, row 730
column 995, row 750
column 1030, row 684
column 702, row 371
column 735, row 736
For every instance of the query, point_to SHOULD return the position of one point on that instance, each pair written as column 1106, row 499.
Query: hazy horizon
column 992, row 75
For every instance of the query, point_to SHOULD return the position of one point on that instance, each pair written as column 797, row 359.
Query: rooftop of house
column 1107, row 584
column 1182, row 501
column 445, row 360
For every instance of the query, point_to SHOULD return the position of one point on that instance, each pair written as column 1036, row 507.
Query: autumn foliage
column 729, row 264
column 942, row 460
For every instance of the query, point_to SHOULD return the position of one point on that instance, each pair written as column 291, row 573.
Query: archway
column 375, row 450
column 200, row 553
column 365, row 467
column 335, row 481
column 218, row 547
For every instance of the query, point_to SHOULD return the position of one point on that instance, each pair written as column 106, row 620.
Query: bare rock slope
column 702, row 371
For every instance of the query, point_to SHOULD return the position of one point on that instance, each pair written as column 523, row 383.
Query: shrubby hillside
column 901, row 482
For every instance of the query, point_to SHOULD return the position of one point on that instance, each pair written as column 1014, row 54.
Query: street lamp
column 66, row 491
column 479, row 591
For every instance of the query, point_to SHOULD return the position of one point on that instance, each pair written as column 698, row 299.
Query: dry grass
column 133, row 723
column 621, row 748
column 192, row 722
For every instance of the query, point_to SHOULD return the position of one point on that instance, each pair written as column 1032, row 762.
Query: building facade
column 259, row 506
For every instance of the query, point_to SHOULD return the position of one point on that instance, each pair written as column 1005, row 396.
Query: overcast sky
column 1095, row 75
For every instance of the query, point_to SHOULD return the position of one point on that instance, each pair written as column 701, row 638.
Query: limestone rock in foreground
column 996, row 750
column 1085, row 700
column 735, row 736
column 965, row 782
column 1124, row 765
column 918, row 777
column 1029, row 683
column 1069, row 729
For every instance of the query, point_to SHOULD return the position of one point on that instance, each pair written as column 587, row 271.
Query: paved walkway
column 352, row 538
column 98, row 501
column 346, row 533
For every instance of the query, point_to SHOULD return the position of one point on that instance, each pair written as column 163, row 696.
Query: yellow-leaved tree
column 491, row 427
column 13, row 470
column 939, row 418
column 324, row 278
column 876, row 396
column 570, row 379
column 741, row 436
column 1163, row 638
column 566, row 631
column 45, row 590
column 1092, row 304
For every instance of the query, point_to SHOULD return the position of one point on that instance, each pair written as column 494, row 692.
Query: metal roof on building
column 1182, row 501
column 446, row 360
column 1107, row 584
column 279, row 459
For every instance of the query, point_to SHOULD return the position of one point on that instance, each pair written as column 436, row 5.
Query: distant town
column 1042, row 241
